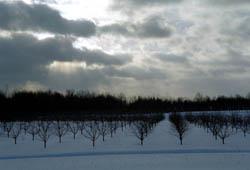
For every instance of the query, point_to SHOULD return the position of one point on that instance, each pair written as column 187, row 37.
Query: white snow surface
column 161, row 150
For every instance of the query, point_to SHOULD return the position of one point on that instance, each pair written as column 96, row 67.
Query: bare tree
column 60, row 129
column 245, row 125
column 1, row 128
column 225, row 132
column 123, row 125
column 104, row 129
column 73, row 128
column 2, row 125
column 33, row 129
column 235, row 121
column 81, row 126
column 44, row 131
column 179, row 126
column 214, row 127
column 92, row 131
column 141, row 130
column 8, row 127
column 112, row 128
column 25, row 126
column 15, row 131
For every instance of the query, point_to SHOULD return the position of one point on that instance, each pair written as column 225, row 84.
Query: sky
column 166, row 48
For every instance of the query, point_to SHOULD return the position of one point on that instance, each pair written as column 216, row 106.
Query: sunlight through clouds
column 190, row 41
column 95, row 10
column 71, row 67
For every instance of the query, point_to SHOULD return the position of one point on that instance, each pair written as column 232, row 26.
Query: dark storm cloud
column 21, row 52
column 23, row 57
column 20, row 16
column 152, row 27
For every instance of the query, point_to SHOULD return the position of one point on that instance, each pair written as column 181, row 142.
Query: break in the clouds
column 144, row 3
column 136, row 47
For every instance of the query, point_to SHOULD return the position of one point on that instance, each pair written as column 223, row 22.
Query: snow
column 133, row 162
column 161, row 150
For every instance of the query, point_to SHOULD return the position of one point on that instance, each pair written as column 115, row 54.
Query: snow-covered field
column 161, row 150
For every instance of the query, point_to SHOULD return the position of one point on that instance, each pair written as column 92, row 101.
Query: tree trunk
column 141, row 141
column 122, row 127
column 15, row 140
column 111, row 133
column 44, row 144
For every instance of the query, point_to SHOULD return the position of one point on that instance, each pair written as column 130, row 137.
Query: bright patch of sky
column 187, row 46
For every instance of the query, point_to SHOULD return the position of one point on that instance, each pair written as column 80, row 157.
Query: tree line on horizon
column 71, row 103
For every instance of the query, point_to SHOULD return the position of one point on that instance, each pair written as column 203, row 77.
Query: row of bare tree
column 221, row 125
column 92, row 130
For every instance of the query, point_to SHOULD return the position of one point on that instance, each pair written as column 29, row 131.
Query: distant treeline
column 71, row 103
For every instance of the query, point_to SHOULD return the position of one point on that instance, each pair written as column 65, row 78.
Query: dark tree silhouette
column 213, row 123
column 8, row 127
column 92, row 131
column 60, row 129
column 221, row 125
column 245, row 125
column 179, row 126
column 224, row 133
column 103, row 129
column 25, row 126
column 112, row 127
column 141, row 130
column 81, row 126
column 73, row 128
column 33, row 129
column 15, row 131
column 44, row 132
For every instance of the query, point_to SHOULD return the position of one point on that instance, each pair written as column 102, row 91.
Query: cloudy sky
column 136, row 47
